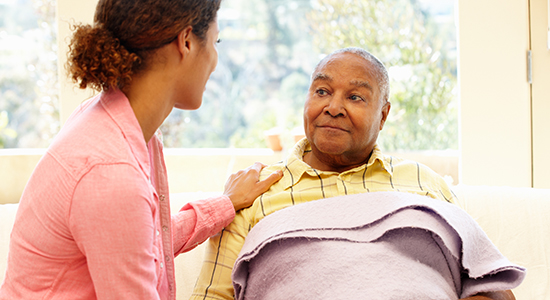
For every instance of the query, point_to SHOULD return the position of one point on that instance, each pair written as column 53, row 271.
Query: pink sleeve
column 112, row 222
column 199, row 220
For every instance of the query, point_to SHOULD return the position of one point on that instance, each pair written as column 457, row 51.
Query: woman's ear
column 185, row 41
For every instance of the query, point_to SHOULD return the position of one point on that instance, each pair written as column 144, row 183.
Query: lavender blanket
column 384, row 245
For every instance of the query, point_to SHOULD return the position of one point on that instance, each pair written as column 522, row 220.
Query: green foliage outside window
column 268, row 51
column 420, row 55
column 265, row 59
column 29, row 106
column 270, row 47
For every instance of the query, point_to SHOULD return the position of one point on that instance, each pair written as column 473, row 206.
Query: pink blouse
column 94, row 221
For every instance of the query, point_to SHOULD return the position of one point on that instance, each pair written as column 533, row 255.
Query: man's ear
column 385, row 112
column 185, row 41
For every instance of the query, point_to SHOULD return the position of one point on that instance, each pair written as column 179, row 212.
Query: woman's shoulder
column 91, row 140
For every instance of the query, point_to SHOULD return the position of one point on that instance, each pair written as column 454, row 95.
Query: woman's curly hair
column 107, row 54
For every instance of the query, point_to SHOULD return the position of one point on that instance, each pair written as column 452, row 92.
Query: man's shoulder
column 405, row 162
column 280, row 165
column 428, row 180
column 399, row 163
column 401, row 167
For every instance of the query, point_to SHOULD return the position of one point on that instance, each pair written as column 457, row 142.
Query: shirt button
column 158, row 232
column 167, row 258
column 161, row 197
column 164, row 228
column 161, row 265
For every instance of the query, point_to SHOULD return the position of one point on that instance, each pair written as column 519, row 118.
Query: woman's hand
column 244, row 186
column 500, row 295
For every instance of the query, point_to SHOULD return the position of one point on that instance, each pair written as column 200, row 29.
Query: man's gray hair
column 380, row 73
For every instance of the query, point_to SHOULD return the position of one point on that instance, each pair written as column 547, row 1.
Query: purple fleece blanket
column 384, row 245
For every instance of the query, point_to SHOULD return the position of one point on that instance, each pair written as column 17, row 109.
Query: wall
column 196, row 170
column 495, row 109
column 70, row 13
column 540, row 92
column 16, row 166
column 189, row 170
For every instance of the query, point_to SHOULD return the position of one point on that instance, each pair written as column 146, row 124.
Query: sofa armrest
column 517, row 220
column 7, row 217
column 188, row 265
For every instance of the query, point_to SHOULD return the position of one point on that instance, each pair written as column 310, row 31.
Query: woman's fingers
column 265, row 184
column 244, row 186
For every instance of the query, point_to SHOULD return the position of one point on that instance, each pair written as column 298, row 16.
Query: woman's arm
column 199, row 220
column 112, row 222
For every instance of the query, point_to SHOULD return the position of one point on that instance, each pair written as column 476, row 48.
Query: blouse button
column 158, row 232
column 164, row 228
column 161, row 197
column 161, row 265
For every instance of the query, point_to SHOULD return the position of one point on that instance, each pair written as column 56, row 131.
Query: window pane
column 269, row 49
column 29, row 112
column 260, row 81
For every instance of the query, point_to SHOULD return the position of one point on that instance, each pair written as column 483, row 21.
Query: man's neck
column 331, row 165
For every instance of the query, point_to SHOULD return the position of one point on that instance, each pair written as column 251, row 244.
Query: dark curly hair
column 124, row 33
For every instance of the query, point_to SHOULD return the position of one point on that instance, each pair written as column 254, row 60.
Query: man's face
column 343, row 113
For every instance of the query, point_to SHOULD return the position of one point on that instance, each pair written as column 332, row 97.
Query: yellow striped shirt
column 300, row 184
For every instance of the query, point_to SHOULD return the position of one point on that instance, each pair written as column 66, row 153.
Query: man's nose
column 336, row 106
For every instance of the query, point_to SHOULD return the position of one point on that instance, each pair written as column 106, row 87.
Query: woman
column 94, row 221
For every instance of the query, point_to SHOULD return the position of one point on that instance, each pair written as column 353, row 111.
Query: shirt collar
column 118, row 107
column 379, row 157
column 295, row 162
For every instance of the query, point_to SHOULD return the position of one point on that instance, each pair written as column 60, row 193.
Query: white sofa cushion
column 517, row 220
column 7, row 217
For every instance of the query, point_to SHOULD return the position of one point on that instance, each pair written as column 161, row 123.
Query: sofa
column 517, row 220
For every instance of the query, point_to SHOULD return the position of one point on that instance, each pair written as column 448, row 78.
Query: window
column 260, row 82
column 29, row 112
column 267, row 52
column 269, row 49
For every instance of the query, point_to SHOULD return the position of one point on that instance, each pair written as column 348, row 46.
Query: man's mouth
column 332, row 127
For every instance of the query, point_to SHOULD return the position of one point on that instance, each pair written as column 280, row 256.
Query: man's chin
column 331, row 147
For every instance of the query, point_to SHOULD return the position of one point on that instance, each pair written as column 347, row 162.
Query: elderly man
column 346, row 107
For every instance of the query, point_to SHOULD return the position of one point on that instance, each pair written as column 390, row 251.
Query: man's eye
column 355, row 98
column 321, row 92
column 218, row 41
